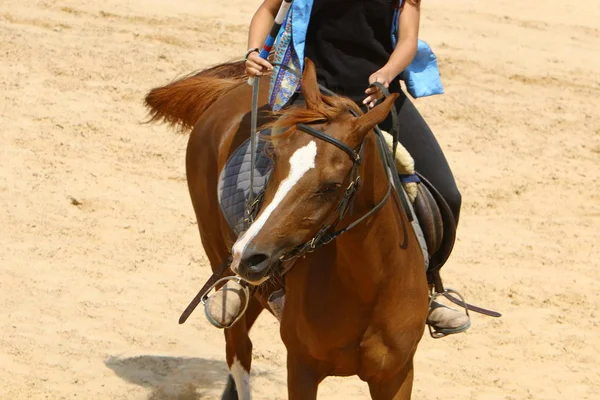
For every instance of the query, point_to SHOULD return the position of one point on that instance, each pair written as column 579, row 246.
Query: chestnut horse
column 355, row 306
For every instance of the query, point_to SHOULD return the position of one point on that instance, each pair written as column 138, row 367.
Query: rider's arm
column 262, row 22
column 408, row 35
column 403, row 54
column 259, row 30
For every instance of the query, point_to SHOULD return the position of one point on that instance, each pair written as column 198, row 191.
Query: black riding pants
column 418, row 139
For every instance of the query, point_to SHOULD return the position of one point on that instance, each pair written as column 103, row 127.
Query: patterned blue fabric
column 284, row 82
column 422, row 76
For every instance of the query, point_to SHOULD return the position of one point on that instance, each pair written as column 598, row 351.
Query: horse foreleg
column 239, row 354
column 303, row 380
column 398, row 387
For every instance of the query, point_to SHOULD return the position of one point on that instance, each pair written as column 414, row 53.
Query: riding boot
column 228, row 304
column 444, row 320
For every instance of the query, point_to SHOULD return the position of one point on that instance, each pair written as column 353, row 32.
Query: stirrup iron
column 438, row 334
column 206, row 296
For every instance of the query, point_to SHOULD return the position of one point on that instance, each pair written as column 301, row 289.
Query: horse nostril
column 256, row 260
column 254, row 266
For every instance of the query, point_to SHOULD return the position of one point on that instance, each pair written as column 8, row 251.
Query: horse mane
column 330, row 109
column 181, row 102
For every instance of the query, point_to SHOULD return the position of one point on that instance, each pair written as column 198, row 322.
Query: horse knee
column 398, row 387
column 238, row 347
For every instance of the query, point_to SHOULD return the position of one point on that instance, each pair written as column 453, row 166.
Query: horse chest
column 329, row 332
column 350, row 323
column 343, row 346
column 348, row 337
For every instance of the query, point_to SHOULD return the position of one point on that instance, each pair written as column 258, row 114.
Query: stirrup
column 438, row 333
column 205, row 297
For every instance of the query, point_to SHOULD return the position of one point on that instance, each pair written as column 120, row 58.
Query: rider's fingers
column 256, row 59
column 374, row 90
column 265, row 64
column 253, row 71
column 253, row 64
column 375, row 94
column 369, row 100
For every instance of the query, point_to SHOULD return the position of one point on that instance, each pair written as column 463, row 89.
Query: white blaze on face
column 301, row 162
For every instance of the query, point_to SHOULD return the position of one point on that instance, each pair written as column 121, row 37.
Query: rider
column 349, row 42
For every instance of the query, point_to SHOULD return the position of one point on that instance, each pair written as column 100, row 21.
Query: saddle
column 435, row 219
column 438, row 225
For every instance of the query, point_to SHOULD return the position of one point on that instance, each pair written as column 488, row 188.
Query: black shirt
column 348, row 40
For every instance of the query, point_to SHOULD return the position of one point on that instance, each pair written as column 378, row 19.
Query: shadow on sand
column 172, row 378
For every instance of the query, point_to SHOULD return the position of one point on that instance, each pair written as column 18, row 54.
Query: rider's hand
column 257, row 66
column 373, row 93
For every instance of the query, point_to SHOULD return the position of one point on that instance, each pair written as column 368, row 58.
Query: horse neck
column 366, row 252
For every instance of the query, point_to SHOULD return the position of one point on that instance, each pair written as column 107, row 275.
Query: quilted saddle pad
column 234, row 181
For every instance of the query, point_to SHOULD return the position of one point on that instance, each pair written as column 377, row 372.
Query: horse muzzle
column 254, row 265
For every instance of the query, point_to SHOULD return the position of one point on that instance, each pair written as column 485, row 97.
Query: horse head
column 310, row 176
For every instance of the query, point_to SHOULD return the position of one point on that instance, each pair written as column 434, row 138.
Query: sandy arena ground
column 99, row 251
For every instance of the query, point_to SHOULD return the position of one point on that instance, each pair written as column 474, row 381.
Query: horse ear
column 366, row 122
column 310, row 87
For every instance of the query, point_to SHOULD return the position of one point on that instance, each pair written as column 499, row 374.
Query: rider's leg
column 418, row 139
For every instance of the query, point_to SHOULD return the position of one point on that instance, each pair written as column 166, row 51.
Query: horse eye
column 329, row 188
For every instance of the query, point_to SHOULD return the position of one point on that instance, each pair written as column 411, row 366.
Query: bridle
column 328, row 232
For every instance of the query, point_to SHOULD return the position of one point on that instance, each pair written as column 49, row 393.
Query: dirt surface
column 99, row 251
